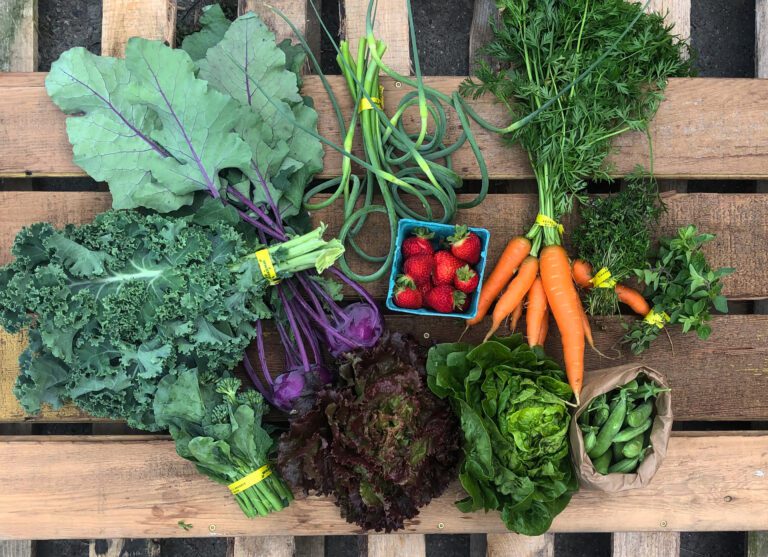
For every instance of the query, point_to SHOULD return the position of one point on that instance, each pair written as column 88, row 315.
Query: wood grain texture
column 299, row 12
column 263, row 546
column 310, row 546
column 123, row 19
column 18, row 548
column 514, row 545
column 18, row 35
column 740, row 222
column 677, row 12
column 761, row 32
column 757, row 544
column 396, row 545
column 480, row 33
column 129, row 487
column 707, row 128
column 646, row 544
column 390, row 26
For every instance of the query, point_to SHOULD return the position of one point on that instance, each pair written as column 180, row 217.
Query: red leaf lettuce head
column 381, row 442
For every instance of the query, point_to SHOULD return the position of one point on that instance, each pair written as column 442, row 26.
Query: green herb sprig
column 680, row 283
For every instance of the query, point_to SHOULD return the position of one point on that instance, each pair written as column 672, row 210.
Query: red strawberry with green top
column 419, row 243
column 406, row 294
column 446, row 266
column 465, row 245
column 419, row 268
column 466, row 279
column 444, row 299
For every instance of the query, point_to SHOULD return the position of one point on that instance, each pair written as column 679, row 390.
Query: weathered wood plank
column 310, row 546
column 677, row 12
column 707, row 128
column 389, row 545
column 480, row 33
column 18, row 35
column 761, row 46
column 740, row 222
column 733, row 364
column 80, row 487
column 646, row 544
column 263, row 546
column 513, row 545
column 391, row 26
column 757, row 544
column 123, row 19
column 18, row 548
column 300, row 13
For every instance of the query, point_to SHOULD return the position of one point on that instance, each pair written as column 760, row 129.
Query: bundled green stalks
column 614, row 237
column 220, row 430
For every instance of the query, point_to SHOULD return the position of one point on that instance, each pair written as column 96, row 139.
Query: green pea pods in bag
column 606, row 380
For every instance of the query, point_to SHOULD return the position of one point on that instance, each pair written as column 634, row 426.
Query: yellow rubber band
column 602, row 279
column 365, row 104
column 250, row 480
column 548, row 222
column 266, row 266
column 658, row 319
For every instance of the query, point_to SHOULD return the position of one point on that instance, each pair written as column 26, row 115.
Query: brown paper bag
column 603, row 381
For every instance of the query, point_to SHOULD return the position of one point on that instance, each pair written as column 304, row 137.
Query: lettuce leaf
column 512, row 402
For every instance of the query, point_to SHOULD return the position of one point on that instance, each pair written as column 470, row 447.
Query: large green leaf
column 213, row 25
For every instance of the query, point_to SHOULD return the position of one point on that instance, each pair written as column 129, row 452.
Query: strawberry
column 419, row 268
column 465, row 245
column 419, row 243
column 466, row 279
column 446, row 266
column 444, row 299
column 406, row 296
column 424, row 288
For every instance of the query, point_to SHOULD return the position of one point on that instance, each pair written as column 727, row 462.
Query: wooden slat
column 18, row 548
column 265, row 546
column 677, row 12
column 310, row 546
column 123, row 19
column 740, row 222
column 84, row 488
column 300, row 13
column 724, row 378
column 513, row 545
column 646, row 544
column 757, row 544
column 18, row 35
column 391, row 545
column 480, row 33
column 707, row 128
column 391, row 26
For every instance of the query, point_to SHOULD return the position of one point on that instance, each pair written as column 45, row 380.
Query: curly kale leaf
column 512, row 402
column 115, row 305
column 383, row 445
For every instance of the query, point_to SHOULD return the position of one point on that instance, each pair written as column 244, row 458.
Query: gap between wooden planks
column 724, row 378
column 707, row 128
column 138, row 488
column 740, row 222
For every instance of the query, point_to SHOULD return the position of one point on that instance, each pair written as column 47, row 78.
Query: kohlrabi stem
column 294, row 328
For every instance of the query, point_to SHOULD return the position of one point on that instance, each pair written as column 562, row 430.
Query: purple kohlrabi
column 360, row 325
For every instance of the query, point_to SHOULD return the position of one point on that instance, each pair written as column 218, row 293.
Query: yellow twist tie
column 602, row 279
column 658, row 319
column 548, row 222
column 266, row 266
column 250, row 480
column 365, row 104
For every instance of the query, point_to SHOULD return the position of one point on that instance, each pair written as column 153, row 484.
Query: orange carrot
column 587, row 328
column 582, row 273
column 633, row 299
column 566, row 307
column 544, row 328
column 516, row 317
column 537, row 309
column 516, row 251
column 513, row 295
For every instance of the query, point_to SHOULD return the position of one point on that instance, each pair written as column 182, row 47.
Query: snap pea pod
column 633, row 447
column 601, row 415
column 617, row 448
column 631, row 386
column 639, row 415
column 632, row 432
column 611, row 427
column 590, row 438
column 625, row 466
column 602, row 462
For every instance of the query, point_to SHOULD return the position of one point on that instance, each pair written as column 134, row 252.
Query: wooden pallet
column 120, row 487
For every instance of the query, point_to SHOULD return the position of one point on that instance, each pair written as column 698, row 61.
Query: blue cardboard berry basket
column 441, row 231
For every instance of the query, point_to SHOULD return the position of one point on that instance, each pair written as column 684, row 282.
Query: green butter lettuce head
column 115, row 305
column 511, row 400
column 381, row 443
